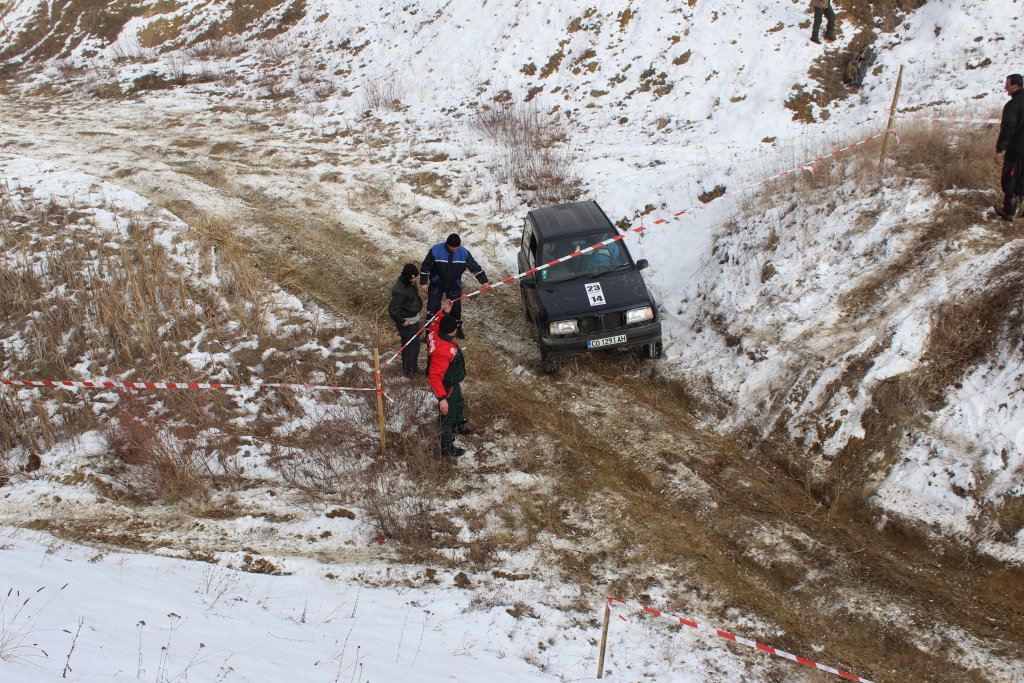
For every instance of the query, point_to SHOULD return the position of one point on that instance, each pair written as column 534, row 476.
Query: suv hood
column 621, row 290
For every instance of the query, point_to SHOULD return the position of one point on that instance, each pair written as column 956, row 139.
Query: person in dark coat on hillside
column 446, row 368
column 441, row 276
column 404, row 309
column 1010, row 148
column 823, row 8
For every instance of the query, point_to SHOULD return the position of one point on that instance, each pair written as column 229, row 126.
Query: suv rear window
column 608, row 257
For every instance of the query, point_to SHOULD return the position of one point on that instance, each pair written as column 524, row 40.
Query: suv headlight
column 564, row 327
column 638, row 315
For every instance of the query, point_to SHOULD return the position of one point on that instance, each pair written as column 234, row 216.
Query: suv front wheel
column 551, row 364
column 653, row 350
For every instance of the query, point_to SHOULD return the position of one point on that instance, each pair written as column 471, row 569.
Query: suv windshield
column 608, row 257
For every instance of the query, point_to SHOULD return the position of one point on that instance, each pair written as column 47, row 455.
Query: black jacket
column 405, row 301
column 1011, row 129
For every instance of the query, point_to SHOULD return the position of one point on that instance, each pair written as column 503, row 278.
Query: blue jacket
column 444, row 269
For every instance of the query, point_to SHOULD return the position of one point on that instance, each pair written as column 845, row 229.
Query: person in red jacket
column 446, row 368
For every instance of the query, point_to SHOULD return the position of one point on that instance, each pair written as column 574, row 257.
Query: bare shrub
column 532, row 156
column 67, row 69
column 273, row 52
column 217, row 48
column 517, row 124
column 544, row 176
column 126, row 49
column 167, row 459
column 325, row 459
column 177, row 66
column 383, row 93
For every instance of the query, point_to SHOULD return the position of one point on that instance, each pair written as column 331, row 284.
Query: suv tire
column 551, row 364
column 653, row 350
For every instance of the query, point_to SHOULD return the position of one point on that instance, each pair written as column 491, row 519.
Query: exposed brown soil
column 637, row 484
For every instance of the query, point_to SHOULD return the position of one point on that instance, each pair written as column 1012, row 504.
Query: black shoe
column 830, row 37
column 814, row 39
column 1006, row 213
column 460, row 334
column 462, row 429
column 452, row 451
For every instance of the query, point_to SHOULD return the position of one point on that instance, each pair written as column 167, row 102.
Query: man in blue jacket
column 441, row 276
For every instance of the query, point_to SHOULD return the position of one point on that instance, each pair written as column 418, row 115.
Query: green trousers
column 456, row 415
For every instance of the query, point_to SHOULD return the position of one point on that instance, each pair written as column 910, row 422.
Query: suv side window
column 533, row 248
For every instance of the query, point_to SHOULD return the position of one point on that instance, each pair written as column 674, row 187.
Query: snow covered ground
column 664, row 101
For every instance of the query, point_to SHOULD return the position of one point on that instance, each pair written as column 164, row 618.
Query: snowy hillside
column 842, row 342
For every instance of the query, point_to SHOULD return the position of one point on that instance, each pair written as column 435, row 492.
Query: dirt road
column 644, row 499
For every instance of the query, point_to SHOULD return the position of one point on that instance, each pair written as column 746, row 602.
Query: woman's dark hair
column 409, row 271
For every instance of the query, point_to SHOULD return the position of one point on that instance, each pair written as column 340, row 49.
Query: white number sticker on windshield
column 595, row 294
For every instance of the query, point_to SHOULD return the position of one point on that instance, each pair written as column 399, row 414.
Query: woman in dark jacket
column 404, row 309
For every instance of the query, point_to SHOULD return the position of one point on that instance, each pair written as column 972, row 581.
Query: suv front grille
column 602, row 323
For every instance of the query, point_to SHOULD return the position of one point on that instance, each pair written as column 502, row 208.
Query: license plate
column 607, row 341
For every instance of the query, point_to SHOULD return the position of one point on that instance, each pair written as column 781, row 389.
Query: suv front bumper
column 638, row 335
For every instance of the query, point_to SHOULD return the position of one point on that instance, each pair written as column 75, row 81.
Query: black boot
column 459, row 333
column 462, row 429
column 452, row 451
column 1009, row 210
column 814, row 39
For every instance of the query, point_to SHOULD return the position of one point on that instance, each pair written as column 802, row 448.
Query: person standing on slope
column 441, row 276
column 446, row 369
column 823, row 7
column 404, row 310
column 1010, row 148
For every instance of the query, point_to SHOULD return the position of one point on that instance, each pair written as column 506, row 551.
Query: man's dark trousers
column 1012, row 182
column 411, row 353
column 434, row 296
column 456, row 416
column 830, row 27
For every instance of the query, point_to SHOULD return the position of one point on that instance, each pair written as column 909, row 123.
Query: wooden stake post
column 604, row 639
column 892, row 118
column 380, row 401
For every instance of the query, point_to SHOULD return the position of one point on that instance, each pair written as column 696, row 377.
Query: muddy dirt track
column 637, row 486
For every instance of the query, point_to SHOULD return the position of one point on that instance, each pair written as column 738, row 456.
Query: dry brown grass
column 85, row 301
column 532, row 155
column 949, row 157
column 163, row 461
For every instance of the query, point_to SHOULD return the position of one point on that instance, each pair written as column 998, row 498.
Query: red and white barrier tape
column 175, row 385
column 809, row 166
column 612, row 602
column 948, row 119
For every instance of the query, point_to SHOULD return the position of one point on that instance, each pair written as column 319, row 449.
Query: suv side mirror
column 641, row 264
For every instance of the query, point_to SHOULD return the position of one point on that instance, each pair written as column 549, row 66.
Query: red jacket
column 441, row 353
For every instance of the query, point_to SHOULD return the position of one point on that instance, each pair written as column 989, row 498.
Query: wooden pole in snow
column 380, row 401
column 604, row 639
column 892, row 118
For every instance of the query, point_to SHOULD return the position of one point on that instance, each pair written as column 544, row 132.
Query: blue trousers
column 434, row 296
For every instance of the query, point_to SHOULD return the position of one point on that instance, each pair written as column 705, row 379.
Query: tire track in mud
column 630, row 446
